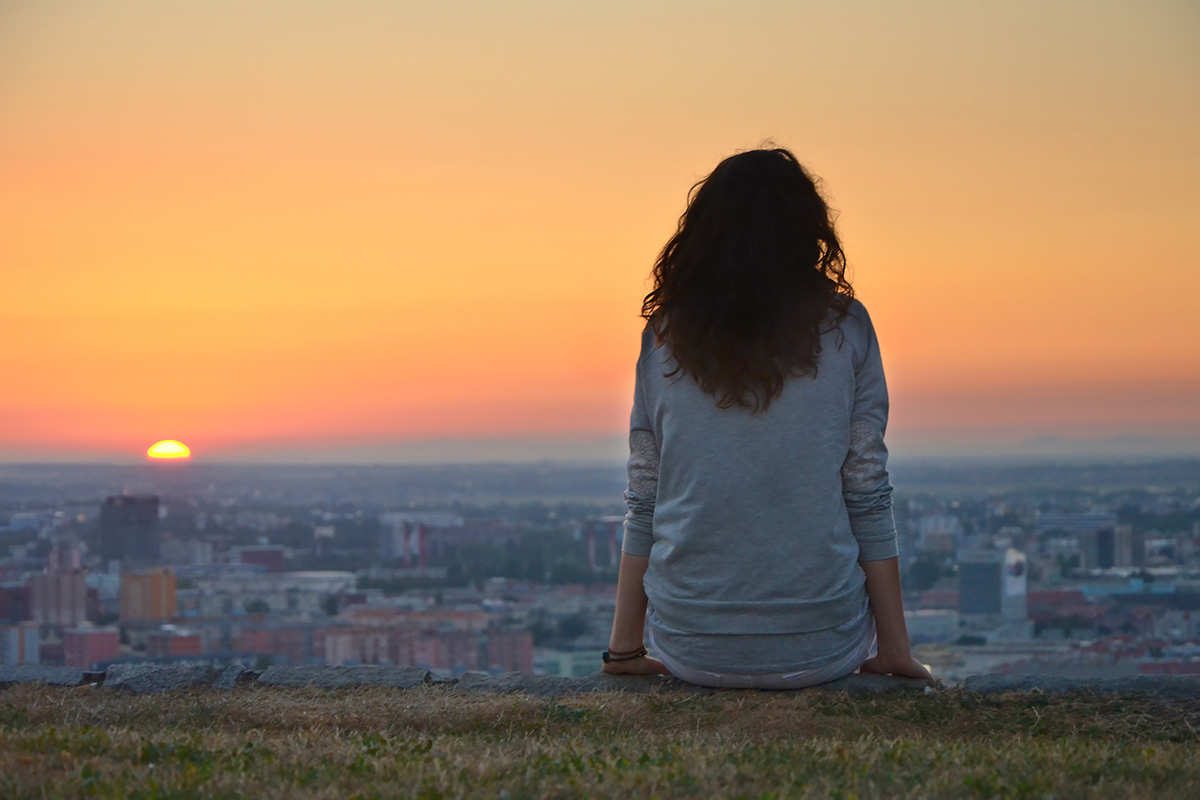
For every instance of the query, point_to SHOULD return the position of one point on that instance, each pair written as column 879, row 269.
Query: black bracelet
column 612, row 652
column 608, row 657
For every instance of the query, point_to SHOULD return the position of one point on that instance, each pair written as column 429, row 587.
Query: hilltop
column 438, row 741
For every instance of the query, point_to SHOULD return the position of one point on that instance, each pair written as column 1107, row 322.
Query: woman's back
column 750, row 532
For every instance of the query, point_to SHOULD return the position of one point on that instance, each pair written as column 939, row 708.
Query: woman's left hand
column 635, row 666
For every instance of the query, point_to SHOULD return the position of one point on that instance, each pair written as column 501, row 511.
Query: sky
column 292, row 230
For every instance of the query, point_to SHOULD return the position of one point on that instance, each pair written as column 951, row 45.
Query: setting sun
column 168, row 448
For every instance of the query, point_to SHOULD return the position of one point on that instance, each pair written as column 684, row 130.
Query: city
column 1088, row 570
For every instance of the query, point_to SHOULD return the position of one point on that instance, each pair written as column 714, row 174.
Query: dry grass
column 432, row 743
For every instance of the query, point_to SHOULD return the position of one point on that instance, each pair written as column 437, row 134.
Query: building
column 1114, row 546
column 58, row 598
column 86, row 646
column 605, row 533
column 1048, row 521
column 992, row 583
column 451, row 651
column 509, row 650
column 65, row 558
column 14, row 604
column 186, row 551
column 19, row 644
column 353, row 644
column 269, row 557
column 931, row 625
column 172, row 642
column 404, row 533
column 568, row 663
column 149, row 596
column 129, row 528
column 291, row 644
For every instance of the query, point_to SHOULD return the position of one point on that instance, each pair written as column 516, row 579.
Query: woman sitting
column 759, row 545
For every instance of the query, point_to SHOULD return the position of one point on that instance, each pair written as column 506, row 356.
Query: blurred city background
column 1072, row 567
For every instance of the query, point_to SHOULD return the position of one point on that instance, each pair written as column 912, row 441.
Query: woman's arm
column 641, row 494
column 895, row 654
column 629, row 619
column 867, row 491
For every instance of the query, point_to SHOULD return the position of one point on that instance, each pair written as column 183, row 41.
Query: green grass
column 431, row 742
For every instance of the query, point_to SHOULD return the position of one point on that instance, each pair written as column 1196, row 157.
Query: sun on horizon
column 168, row 449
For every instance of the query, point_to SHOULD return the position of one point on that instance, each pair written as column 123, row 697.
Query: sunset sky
column 276, row 229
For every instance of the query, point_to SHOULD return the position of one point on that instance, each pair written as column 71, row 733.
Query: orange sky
column 255, row 226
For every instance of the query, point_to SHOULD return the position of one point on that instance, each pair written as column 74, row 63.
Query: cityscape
column 1070, row 568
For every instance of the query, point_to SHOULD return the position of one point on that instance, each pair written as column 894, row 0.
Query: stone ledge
column 156, row 679
column 159, row 678
column 344, row 677
column 553, row 686
column 1175, row 687
column 51, row 676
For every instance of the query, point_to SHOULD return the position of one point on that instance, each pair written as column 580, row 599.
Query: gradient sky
column 255, row 226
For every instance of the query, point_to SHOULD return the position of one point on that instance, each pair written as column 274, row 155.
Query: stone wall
column 154, row 679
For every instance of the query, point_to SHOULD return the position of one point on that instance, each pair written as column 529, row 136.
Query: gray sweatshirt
column 754, row 523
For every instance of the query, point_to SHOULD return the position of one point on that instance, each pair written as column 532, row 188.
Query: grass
column 267, row 742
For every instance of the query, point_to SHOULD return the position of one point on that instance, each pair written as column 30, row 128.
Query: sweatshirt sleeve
column 866, row 486
column 642, row 477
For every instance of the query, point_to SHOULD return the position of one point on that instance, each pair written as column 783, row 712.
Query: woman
column 759, row 546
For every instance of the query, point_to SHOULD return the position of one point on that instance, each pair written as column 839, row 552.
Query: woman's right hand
column 901, row 665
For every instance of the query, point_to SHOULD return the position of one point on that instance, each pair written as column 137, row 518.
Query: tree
column 924, row 572
column 572, row 627
column 542, row 632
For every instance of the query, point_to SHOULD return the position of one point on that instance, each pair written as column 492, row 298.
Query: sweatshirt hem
column 757, row 617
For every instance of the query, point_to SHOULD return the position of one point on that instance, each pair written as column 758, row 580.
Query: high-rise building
column 58, row 598
column 149, row 596
column 1113, row 546
column 992, row 583
column 129, row 527
column 64, row 558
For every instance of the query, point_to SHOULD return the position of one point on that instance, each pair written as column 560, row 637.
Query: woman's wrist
column 617, row 651
column 893, row 648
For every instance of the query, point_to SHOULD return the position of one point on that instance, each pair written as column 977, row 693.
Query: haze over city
column 376, row 232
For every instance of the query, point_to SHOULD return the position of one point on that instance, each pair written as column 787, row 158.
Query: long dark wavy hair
column 744, row 288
